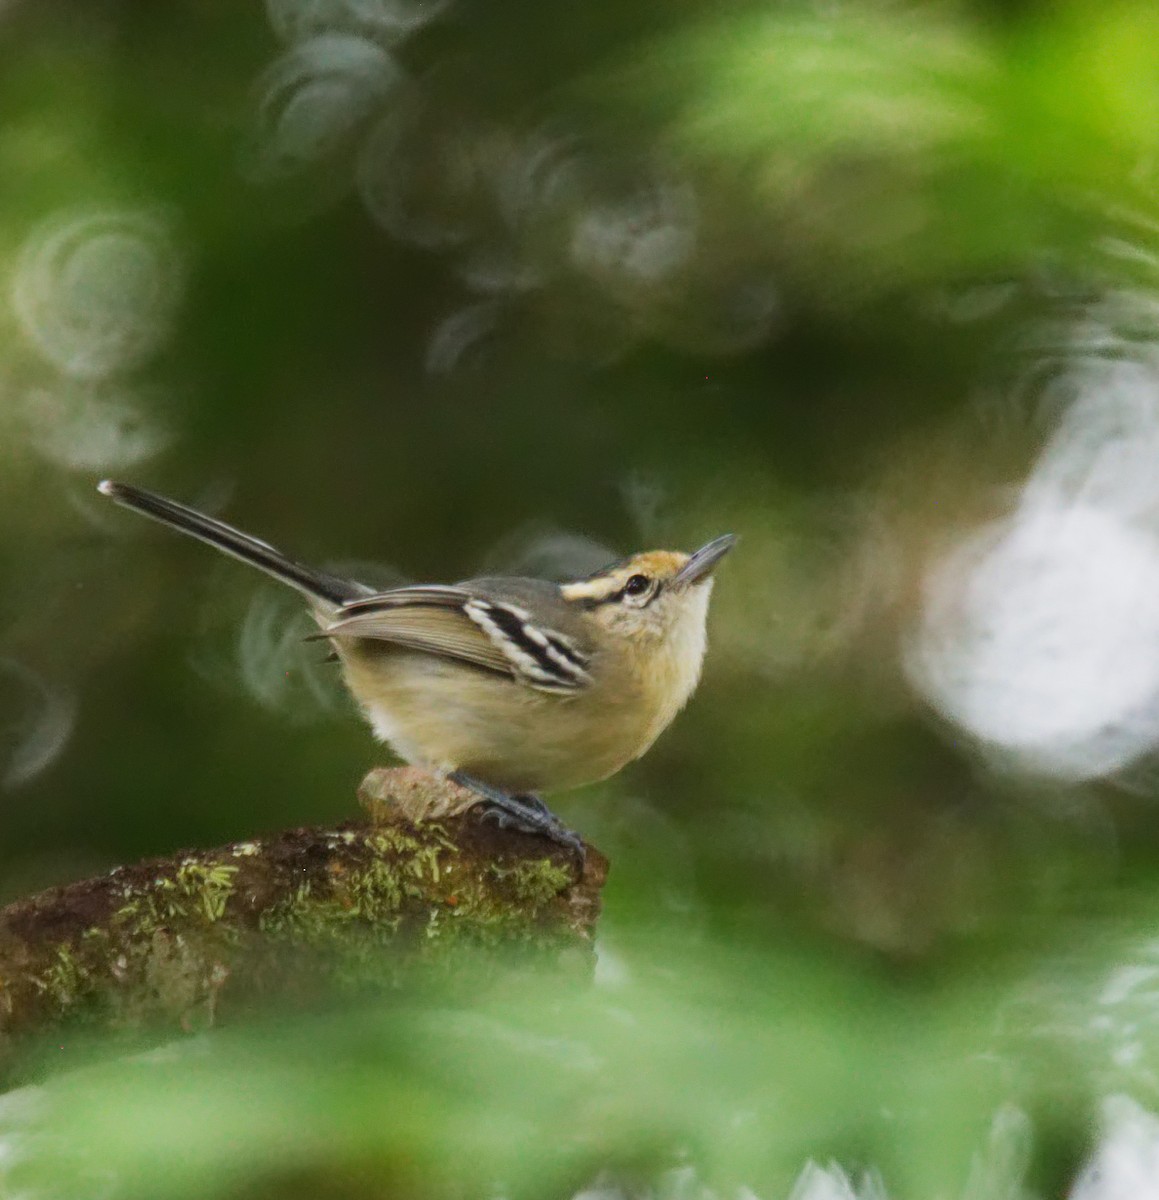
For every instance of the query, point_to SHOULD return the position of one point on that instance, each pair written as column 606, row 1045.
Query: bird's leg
column 526, row 814
column 537, row 802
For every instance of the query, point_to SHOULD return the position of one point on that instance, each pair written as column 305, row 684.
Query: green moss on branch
column 181, row 943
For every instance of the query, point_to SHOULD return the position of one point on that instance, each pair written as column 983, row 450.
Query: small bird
column 507, row 686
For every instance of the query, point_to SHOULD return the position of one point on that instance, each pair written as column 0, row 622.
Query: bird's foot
column 524, row 814
column 536, row 802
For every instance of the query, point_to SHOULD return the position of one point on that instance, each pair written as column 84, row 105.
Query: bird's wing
column 426, row 594
column 442, row 630
column 485, row 631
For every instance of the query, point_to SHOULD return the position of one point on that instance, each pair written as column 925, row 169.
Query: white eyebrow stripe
column 591, row 589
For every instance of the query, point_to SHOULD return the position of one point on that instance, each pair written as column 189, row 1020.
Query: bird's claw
column 536, row 802
column 524, row 814
column 539, row 821
column 553, row 827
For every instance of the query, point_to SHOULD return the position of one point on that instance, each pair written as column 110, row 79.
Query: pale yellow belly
column 443, row 716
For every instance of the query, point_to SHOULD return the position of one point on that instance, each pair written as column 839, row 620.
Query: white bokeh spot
column 94, row 427
column 389, row 20
column 1125, row 1165
column 312, row 100
column 96, row 292
column 1040, row 632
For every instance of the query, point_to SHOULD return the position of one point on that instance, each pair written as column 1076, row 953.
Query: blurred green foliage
column 637, row 273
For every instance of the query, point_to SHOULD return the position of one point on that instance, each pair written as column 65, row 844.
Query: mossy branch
column 179, row 943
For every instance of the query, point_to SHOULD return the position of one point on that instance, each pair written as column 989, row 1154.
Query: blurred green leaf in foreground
column 735, row 1068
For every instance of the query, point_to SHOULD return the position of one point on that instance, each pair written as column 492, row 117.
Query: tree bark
column 181, row 943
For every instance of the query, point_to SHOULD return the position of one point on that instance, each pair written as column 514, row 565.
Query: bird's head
column 655, row 594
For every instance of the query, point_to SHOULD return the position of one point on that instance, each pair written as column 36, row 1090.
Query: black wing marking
column 544, row 658
column 454, row 623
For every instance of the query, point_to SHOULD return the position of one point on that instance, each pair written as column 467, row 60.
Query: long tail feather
column 318, row 585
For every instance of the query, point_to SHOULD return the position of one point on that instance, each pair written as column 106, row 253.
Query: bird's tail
column 317, row 585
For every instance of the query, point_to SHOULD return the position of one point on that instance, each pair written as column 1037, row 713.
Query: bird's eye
column 637, row 585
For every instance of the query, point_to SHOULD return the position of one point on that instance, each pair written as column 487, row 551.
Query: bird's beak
column 701, row 564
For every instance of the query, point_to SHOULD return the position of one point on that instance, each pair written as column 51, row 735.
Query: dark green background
column 869, row 168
